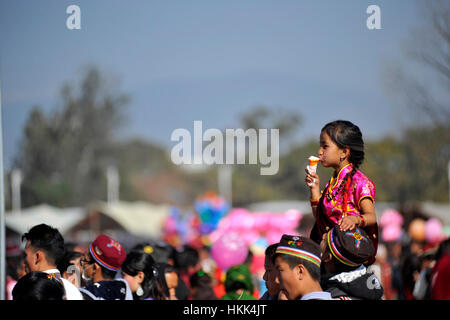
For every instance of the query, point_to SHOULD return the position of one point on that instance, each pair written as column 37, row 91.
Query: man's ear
column 300, row 269
column 95, row 268
column 38, row 256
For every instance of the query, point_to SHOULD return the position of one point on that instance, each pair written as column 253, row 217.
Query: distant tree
column 421, row 81
column 248, row 184
column 422, row 78
column 264, row 117
column 139, row 161
column 63, row 155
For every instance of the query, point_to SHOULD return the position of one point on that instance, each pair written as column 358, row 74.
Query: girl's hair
column 345, row 134
column 140, row 261
column 37, row 286
column 162, row 269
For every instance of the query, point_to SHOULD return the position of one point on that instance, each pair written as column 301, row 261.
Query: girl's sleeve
column 364, row 189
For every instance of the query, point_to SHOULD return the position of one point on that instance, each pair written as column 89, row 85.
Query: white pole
column 16, row 181
column 2, row 212
column 224, row 177
column 112, row 177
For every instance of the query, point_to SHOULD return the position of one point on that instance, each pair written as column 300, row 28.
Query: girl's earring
column 342, row 159
column 139, row 291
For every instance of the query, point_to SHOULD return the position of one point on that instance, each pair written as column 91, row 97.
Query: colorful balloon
column 250, row 237
column 433, row 230
column 391, row 232
column 274, row 236
column 229, row 250
column 417, row 230
column 210, row 208
column 391, row 217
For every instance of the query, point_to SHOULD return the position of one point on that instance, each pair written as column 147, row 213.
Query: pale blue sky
column 206, row 60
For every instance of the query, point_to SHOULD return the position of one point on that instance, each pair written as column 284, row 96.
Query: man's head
column 270, row 273
column 44, row 248
column 104, row 259
column 344, row 251
column 297, row 260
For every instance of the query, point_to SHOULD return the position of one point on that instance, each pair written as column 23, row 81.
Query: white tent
column 281, row 206
column 138, row 218
column 61, row 219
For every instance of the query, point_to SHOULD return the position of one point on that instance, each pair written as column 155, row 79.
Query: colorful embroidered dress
column 330, row 209
column 361, row 187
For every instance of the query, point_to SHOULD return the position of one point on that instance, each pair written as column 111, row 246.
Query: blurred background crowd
column 215, row 247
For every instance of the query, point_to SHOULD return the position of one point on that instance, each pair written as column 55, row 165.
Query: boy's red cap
column 107, row 252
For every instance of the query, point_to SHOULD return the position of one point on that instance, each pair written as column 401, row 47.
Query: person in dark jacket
column 343, row 272
column 100, row 267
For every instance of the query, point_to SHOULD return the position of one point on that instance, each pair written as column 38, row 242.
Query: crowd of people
column 341, row 259
column 295, row 268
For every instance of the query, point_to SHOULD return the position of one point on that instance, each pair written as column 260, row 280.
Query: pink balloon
column 247, row 221
column 215, row 235
column 237, row 217
column 276, row 222
column 250, row 237
column 261, row 222
column 391, row 217
column 224, row 224
column 229, row 250
column 433, row 230
column 273, row 236
column 294, row 217
column 391, row 232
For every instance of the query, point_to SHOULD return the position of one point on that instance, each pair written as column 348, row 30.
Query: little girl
column 348, row 198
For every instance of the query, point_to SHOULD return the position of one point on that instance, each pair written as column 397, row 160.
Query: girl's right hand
column 313, row 182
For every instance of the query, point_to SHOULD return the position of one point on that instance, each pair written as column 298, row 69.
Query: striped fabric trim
column 100, row 261
column 336, row 252
column 308, row 256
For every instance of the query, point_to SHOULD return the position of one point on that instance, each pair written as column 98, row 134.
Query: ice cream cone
column 312, row 167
